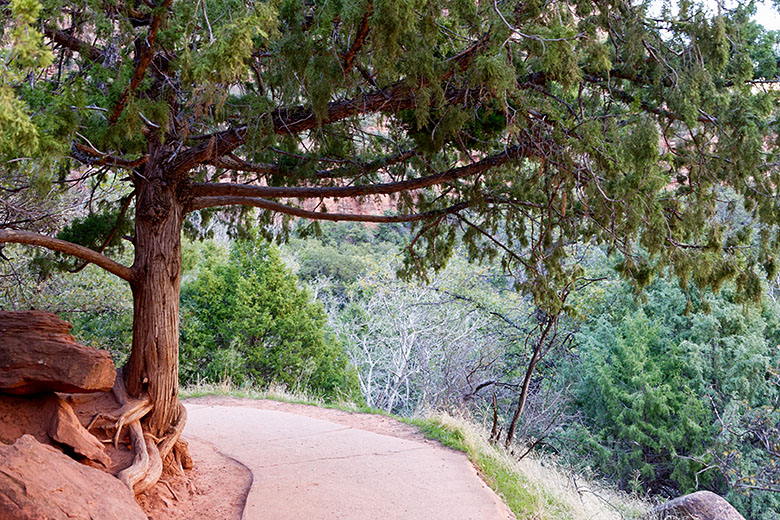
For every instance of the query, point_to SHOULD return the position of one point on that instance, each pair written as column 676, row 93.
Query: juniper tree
column 510, row 125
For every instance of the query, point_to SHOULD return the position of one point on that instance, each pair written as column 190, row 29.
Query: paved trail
column 310, row 463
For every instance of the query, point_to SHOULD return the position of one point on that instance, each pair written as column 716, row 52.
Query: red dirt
column 215, row 489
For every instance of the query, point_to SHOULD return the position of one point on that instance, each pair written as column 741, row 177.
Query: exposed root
column 132, row 410
column 149, row 451
column 136, row 410
column 154, row 470
column 181, row 454
column 142, row 471
column 170, row 489
column 133, row 474
column 172, row 438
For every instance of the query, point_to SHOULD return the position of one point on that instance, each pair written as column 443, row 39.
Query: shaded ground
column 309, row 462
column 215, row 489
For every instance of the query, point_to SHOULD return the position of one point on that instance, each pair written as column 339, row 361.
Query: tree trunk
column 535, row 358
column 154, row 361
column 510, row 434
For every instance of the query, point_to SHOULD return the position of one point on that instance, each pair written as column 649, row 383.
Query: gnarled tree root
column 172, row 437
column 132, row 410
column 134, row 473
column 149, row 452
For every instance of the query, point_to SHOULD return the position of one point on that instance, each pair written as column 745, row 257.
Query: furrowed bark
column 154, row 360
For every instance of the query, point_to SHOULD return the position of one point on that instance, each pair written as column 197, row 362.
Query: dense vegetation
column 244, row 319
column 664, row 392
column 672, row 400
column 556, row 142
column 661, row 393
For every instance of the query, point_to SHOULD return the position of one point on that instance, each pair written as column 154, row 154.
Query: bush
column 679, row 395
column 245, row 319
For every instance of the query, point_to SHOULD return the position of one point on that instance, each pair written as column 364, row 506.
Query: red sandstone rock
column 65, row 428
column 38, row 354
column 37, row 482
column 24, row 414
column 701, row 505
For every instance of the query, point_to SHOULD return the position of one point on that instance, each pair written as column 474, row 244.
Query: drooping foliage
column 582, row 119
column 517, row 128
column 245, row 319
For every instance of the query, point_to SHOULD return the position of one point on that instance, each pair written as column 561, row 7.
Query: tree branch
column 68, row 248
column 210, row 202
column 625, row 97
column 368, row 167
column 244, row 190
column 69, row 41
column 360, row 38
column 235, row 163
column 94, row 157
column 122, row 211
column 293, row 120
column 144, row 54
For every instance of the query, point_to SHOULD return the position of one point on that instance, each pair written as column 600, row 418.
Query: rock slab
column 37, row 482
column 64, row 427
column 701, row 505
column 38, row 354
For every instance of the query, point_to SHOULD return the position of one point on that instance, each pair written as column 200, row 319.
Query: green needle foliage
column 245, row 319
column 675, row 401
column 620, row 127
column 515, row 128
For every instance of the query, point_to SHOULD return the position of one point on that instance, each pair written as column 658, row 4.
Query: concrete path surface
column 313, row 468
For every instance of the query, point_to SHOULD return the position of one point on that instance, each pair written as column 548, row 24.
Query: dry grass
column 534, row 487
column 273, row 392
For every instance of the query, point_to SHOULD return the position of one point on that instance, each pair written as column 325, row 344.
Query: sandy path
column 311, row 463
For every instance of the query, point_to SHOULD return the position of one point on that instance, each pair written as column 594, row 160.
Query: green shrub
column 245, row 319
column 677, row 395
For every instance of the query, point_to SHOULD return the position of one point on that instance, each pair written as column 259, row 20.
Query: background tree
column 672, row 401
column 517, row 122
column 246, row 320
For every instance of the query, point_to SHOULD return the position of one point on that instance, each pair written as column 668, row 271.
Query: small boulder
column 65, row 428
column 37, row 482
column 38, row 354
column 701, row 505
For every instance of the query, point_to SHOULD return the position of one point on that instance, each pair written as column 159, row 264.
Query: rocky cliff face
column 373, row 205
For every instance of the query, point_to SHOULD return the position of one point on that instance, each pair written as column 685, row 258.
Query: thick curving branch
column 313, row 192
column 68, row 248
column 294, row 120
column 211, row 202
